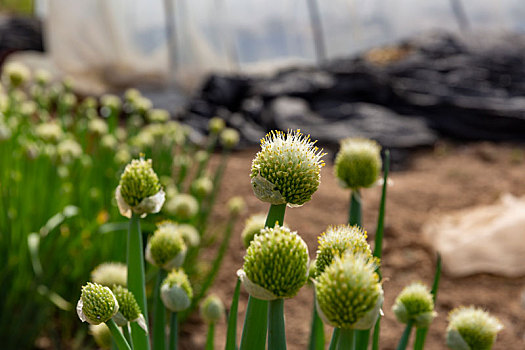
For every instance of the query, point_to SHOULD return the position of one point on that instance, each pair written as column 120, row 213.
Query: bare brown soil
column 438, row 181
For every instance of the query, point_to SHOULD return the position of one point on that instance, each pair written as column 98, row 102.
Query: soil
column 436, row 181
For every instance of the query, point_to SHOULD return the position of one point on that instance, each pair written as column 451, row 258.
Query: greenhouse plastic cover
column 124, row 42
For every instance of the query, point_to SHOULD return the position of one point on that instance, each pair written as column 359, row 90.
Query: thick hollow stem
column 117, row 335
column 346, row 340
column 362, row 338
column 127, row 335
column 254, row 329
column 316, row 331
column 335, row 339
column 231, row 338
column 354, row 217
column 275, row 214
column 159, row 315
column 136, row 280
column 421, row 334
column 174, row 331
column 403, row 342
column 276, row 329
column 210, row 337
column 377, row 330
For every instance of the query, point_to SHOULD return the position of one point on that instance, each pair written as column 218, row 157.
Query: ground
column 434, row 182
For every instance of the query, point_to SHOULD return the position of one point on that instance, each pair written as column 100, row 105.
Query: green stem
column 346, row 340
column 275, row 214
column 362, row 338
column 276, row 329
column 403, row 342
column 174, row 331
column 377, row 328
column 127, row 335
column 421, row 334
column 335, row 339
column 355, row 216
column 117, row 335
column 231, row 337
column 159, row 315
column 316, row 331
column 136, row 279
column 378, row 246
column 210, row 337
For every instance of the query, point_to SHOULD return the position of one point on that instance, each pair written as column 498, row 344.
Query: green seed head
column 349, row 294
column 202, row 187
column 212, row 309
column 110, row 273
column 471, row 328
column 236, row 205
column 275, row 264
column 253, row 226
column 216, row 125
column 182, row 206
column 15, row 74
column 166, row 248
column 229, row 138
column 139, row 189
column 415, row 303
column 287, row 169
column 175, row 291
column 338, row 240
column 128, row 306
column 358, row 163
column 97, row 304
column 101, row 334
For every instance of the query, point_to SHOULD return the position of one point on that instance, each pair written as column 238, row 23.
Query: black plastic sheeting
column 446, row 86
column 19, row 33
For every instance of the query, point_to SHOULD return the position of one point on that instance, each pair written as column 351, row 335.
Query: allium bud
column 129, row 310
column 470, row 328
column 358, row 163
column 338, row 240
column 101, row 334
column 97, row 304
column 42, row 77
column 15, row 74
column 349, row 294
column 158, row 115
column 139, row 190
column 175, row 291
column 69, row 150
column 166, row 248
column 252, row 226
column 275, row 264
column 188, row 232
column 415, row 303
column 109, row 141
column 98, row 126
column 183, row 206
column 110, row 104
column 49, row 132
column 212, row 309
column 216, row 125
column 110, row 273
column 236, row 205
column 202, row 187
column 229, row 138
column 287, row 169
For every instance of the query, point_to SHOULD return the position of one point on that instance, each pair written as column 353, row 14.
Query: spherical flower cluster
column 110, row 273
column 471, row 328
column 252, row 226
column 202, row 187
column 139, row 190
column 338, row 240
column 349, row 294
column 183, row 206
column 175, row 291
column 358, row 163
column 216, row 125
column 49, row 132
column 97, row 304
column 166, row 248
column 229, row 138
column 42, row 77
column 415, row 303
column 15, row 74
column 69, row 150
column 212, row 309
column 98, row 127
column 157, row 115
column 129, row 310
column 275, row 264
column 236, row 205
column 188, row 232
column 287, row 169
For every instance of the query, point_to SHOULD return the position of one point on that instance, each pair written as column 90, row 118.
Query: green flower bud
column 101, row 334
column 349, row 294
column 236, row 205
column 415, row 303
column 252, row 226
column 183, row 206
column 202, row 187
column 287, row 169
column 98, row 127
column 139, row 189
column 338, row 240
column 175, row 291
column 229, row 138
column 129, row 310
column 216, row 125
column 212, row 309
column 158, row 115
column 110, row 273
column 166, row 248
column 471, row 328
column 49, row 132
column 97, row 304
column 131, row 94
column 15, row 74
column 42, row 77
column 275, row 264
column 358, row 163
